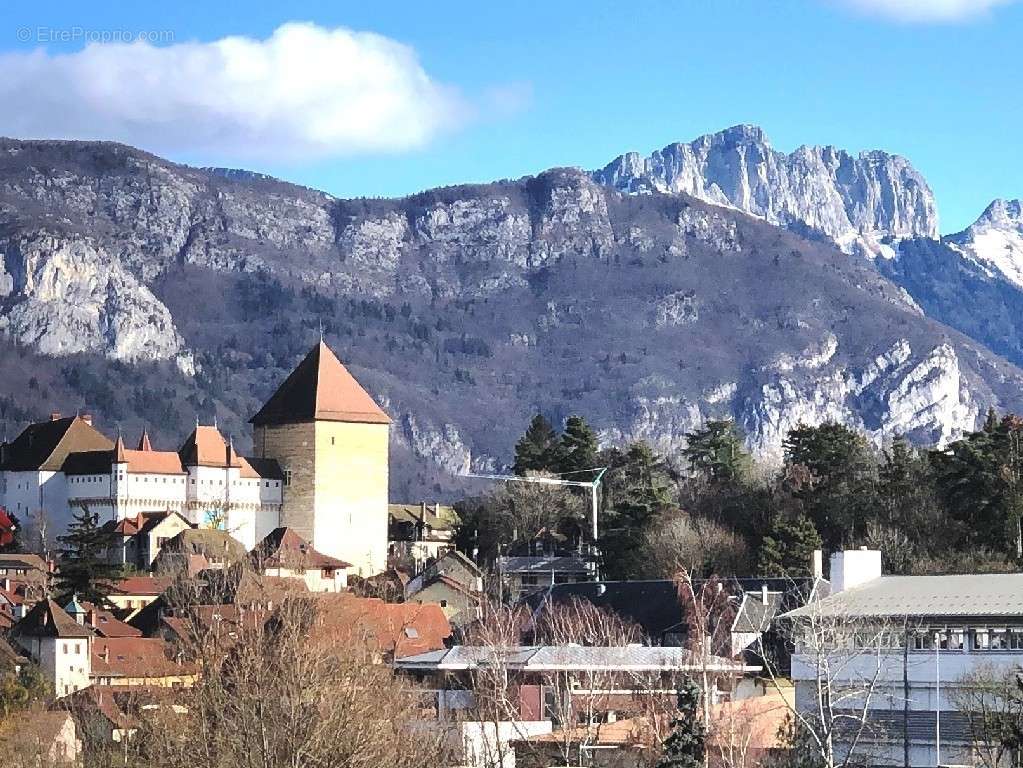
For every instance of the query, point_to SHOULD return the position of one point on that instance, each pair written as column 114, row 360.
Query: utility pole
column 593, row 485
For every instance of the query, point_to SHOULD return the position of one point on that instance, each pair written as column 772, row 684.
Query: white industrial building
column 904, row 647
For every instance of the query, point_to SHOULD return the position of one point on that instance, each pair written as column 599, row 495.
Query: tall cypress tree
column 538, row 449
column 686, row 746
column 84, row 569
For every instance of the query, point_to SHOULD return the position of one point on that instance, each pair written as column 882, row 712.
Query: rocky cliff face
column 466, row 309
column 856, row 201
column 972, row 280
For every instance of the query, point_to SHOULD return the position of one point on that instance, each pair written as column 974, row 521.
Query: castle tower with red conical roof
column 331, row 440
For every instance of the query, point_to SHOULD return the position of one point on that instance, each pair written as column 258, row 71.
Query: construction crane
column 593, row 485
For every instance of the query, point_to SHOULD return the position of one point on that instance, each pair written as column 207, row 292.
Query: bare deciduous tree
column 682, row 542
column 842, row 659
column 286, row 691
column 531, row 507
column 992, row 698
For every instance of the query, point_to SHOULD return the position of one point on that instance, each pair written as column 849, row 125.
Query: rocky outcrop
column 63, row 296
column 857, row 201
column 925, row 398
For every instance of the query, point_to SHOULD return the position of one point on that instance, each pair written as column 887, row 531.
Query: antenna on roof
column 214, row 419
column 197, row 421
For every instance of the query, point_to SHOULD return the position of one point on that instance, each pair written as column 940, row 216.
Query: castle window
column 287, row 478
column 332, row 440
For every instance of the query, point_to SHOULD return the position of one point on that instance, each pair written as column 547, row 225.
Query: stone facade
column 335, row 487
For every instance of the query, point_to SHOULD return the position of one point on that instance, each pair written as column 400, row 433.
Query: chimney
column 54, row 415
column 854, row 567
column 105, row 655
column 763, row 594
column 87, row 418
column 91, row 617
column 817, row 564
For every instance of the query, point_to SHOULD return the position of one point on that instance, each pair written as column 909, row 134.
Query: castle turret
column 331, row 440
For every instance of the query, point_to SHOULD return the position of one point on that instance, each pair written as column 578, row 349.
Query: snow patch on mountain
column 995, row 241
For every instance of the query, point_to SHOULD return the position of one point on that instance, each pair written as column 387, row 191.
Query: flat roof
column 552, row 658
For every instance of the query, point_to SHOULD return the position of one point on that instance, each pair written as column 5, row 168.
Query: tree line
column 713, row 507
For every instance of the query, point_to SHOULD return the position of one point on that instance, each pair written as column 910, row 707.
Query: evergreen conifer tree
column 538, row 449
column 84, row 568
column 685, row 747
column 578, row 448
column 717, row 452
column 787, row 548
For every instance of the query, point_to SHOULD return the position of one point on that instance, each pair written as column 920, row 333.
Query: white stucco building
column 61, row 646
column 320, row 467
column 67, row 464
column 910, row 643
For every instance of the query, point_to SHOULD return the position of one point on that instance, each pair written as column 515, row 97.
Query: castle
column 319, row 466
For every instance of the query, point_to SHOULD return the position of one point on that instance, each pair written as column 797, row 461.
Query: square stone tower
column 331, row 440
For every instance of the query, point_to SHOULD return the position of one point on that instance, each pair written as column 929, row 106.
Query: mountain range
column 718, row 278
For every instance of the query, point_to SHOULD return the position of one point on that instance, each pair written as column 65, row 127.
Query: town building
column 454, row 582
column 45, row 738
column 658, row 609
column 25, row 574
column 418, row 534
column 139, row 539
column 320, row 467
column 545, row 558
column 905, row 648
column 58, row 644
column 136, row 592
column 285, row 554
column 331, row 441
column 76, row 648
column 547, row 689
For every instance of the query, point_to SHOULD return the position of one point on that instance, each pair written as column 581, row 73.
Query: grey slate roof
column 546, row 658
column 996, row 595
column 754, row 614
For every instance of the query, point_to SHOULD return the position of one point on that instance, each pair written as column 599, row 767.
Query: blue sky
column 514, row 88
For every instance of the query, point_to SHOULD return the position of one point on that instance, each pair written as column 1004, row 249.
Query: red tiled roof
column 320, row 388
column 283, row 548
column 393, row 629
column 135, row 657
column 12, row 596
column 142, row 585
column 107, row 624
column 152, row 462
column 206, row 447
column 47, row 619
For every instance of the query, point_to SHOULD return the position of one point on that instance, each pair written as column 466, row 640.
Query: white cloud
column 925, row 10
column 303, row 93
